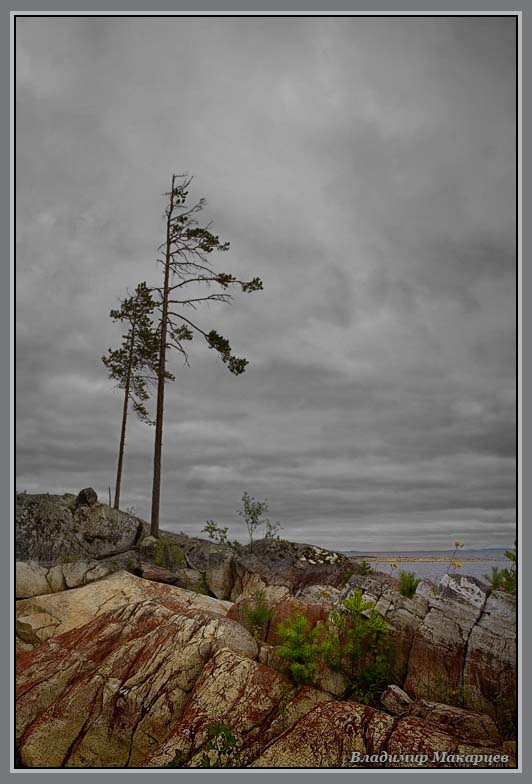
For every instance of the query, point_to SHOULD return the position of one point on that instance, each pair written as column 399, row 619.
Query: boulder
column 50, row 528
column 463, row 723
column 108, row 693
column 326, row 595
column 148, row 542
column 396, row 701
column 86, row 497
column 286, row 568
column 219, row 573
column 157, row 574
column 33, row 579
column 78, row 606
column 191, row 580
column 30, row 579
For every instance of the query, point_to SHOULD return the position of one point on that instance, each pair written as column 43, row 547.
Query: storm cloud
column 365, row 169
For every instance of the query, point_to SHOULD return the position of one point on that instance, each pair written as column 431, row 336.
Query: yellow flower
column 393, row 564
column 457, row 564
column 458, row 543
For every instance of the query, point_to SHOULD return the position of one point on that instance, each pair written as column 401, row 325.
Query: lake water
column 434, row 570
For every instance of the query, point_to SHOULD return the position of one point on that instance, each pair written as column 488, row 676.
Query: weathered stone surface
column 80, row 605
column 30, row 579
column 78, row 573
column 286, row 568
column 108, row 693
column 51, row 527
column 396, row 701
column 254, row 701
column 412, row 736
column 326, row 595
column 33, row 579
column 219, row 573
column 55, row 579
column 456, row 643
column 327, row 736
column 191, row 579
column 464, row 649
column 35, row 627
column 463, row 723
column 489, row 677
column 158, row 574
column 147, row 542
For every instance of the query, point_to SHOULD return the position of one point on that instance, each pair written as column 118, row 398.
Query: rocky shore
column 124, row 661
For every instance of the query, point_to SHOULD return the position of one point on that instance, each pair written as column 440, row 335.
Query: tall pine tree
column 188, row 279
column 135, row 364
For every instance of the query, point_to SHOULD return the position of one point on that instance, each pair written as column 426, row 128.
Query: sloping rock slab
column 108, row 693
column 46, row 616
column 256, row 703
column 347, row 735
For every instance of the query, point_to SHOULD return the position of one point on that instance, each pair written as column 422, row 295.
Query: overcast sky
column 364, row 168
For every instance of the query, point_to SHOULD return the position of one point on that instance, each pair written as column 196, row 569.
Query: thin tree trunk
column 156, row 490
column 124, row 417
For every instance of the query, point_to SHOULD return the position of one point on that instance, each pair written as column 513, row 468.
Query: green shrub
column 357, row 646
column 257, row 615
column 216, row 532
column 299, row 647
column 408, row 582
column 167, row 553
column 364, row 568
column 224, row 744
column 178, row 760
column 504, row 579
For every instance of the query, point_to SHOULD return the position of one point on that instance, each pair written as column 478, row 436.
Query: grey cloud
column 365, row 169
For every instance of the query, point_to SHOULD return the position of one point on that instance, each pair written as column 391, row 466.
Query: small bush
column 224, row 744
column 364, row 568
column 408, row 582
column 215, row 532
column 257, row 615
column 167, row 553
column 178, row 760
column 357, row 646
column 504, row 579
column 299, row 647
